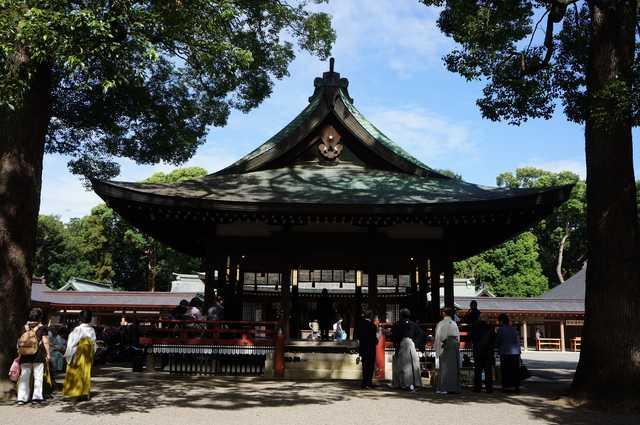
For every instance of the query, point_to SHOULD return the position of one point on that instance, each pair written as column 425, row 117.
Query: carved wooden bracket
column 330, row 146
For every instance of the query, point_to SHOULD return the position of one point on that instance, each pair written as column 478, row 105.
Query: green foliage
column 103, row 247
column 530, row 54
column 568, row 221
column 143, row 80
column 450, row 173
column 54, row 260
column 524, row 265
column 177, row 175
column 510, row 270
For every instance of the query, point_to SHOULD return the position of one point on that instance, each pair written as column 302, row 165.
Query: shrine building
column 329, row 202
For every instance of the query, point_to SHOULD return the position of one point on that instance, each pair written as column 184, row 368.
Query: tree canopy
column 530, row 53
column 103, row 247
column 144, row 80
column 509, row 270
column 562, row 235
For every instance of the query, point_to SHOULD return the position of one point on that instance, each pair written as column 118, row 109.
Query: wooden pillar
column 295, row 306
column 562, row 344
column 423, row 286
column 232, row 302
column 525, row 336
column 448, row 283
column 239, row 287
column 221, row 278
column 285, row 300
column 413, row 278
column 372, row 295
column 209, row 281
column 357, row 308
column 435, row 290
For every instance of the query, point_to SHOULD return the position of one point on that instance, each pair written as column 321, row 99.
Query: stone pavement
column 123, row 397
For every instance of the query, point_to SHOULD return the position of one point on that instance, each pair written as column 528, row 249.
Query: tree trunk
column 22, row 135
column 609, row 366
column 563, row 241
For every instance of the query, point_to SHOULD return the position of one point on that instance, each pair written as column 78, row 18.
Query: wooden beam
column 209, row 282
column 413, row 277
column 372, row 295
column 448, row 282
column 285, row 301
column 423, row 287
column 436, row 266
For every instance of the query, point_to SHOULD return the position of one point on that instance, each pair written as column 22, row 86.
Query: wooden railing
column 190, row 347
column 548, row 344
column 576, row 343
column 190, row 332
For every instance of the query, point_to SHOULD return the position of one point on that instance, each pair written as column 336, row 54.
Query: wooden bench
column 576, row 343
column 548, row 344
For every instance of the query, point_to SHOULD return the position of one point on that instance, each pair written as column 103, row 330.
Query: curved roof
column 330, row 98
column 374, row 182
column 347, row 184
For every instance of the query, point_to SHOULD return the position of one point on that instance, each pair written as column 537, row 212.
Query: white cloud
column 424, row 134
column 556, row 166
column 403, row 33
column 62, row 192
column 64, row 195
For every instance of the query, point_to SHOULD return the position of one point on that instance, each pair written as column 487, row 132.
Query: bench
column 576, row 343
column 548, row 344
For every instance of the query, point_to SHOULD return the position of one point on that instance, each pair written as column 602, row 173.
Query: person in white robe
column 447, row 347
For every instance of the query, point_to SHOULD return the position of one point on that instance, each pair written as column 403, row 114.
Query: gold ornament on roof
column 330, row 146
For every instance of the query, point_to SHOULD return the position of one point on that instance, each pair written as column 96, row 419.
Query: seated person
column 338, row 333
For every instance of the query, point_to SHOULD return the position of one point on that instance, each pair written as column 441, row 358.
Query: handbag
column 15, row 370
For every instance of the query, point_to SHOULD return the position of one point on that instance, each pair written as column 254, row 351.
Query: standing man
column 325, row 314
column 508, row 343
column 473, row 314
column 483, row 338
column 447, row 346
column 367, row 335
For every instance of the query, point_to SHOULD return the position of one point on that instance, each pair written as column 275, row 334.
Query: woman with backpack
column 33, row 349
column 81, row 347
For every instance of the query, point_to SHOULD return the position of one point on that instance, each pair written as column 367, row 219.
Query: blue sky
column 391, row 53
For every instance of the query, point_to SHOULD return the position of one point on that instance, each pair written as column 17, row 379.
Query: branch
column 555, row 13
column 548, row 44
column 535, row 29
column 567, row 233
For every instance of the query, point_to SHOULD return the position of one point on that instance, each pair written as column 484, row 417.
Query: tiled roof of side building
column 573, row 288
column 533, row 305
column 40, row 293
column 79, row 284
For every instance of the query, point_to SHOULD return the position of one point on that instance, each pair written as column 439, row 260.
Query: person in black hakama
column 367, row 336
column 406, row 336
column 483, row 338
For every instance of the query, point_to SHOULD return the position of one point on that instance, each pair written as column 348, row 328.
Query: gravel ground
column 121, row 397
